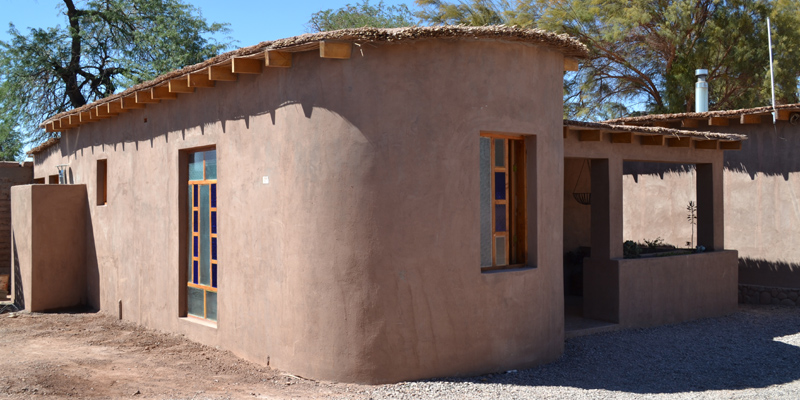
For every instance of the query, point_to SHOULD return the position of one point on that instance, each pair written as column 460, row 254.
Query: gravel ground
column 753, row 354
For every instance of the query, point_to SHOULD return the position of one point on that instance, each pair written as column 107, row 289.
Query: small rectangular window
column 39, row 180
column 102, row 182
column 53, row 180
column 503, row 216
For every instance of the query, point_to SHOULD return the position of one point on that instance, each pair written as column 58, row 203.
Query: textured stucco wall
column 359, row 261
column 762, row 202
column 48, row 232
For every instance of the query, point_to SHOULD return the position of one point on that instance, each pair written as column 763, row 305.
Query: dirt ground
column 92, row 355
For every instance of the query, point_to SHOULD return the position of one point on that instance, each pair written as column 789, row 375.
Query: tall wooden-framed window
column 503, row 213
column 201, row 291
column 102, row 182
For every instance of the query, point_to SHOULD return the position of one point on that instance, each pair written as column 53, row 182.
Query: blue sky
column 252, row 21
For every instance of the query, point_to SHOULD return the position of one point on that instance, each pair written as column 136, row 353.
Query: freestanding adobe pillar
column 601, row 276
column 710, row 213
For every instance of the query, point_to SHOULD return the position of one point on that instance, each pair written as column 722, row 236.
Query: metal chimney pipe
column 701, row 91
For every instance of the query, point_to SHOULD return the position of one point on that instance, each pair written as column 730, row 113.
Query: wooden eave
column 635, row 136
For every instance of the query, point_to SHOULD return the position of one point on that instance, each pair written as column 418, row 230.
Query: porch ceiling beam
column 594, row 135
column 221, row 73
column 145, row 97
column 652, row 140
column 246, row 66
column 274, row 58
column 566, row 131
column 718, row 121
column 570, row 64
column 162, row 93
column 180, row 85
column 621, row 137
column 200, row 80
column 746, row 119
column 334, row 49
column 706, row 144
column 129, row 103
column 730, row 145
column 679, row 142
column 690, row 123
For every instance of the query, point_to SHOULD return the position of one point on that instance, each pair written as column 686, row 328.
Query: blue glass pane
column 214, row 248
column 195, row 195
column 211, row 305
column 194, row 301
column 486, row 201
column 194, row 248
column 211, row 164
column 500, row 217
column 499, row 185
column 213, row 222
column 195, row 221
column 213, row 275
column 213, row 196
column 196, row 166
column 205, row 237
column 194, row 270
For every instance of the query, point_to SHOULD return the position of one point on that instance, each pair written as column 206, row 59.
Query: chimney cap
column 701, row 73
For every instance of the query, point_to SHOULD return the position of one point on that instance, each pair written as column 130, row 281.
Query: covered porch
column 607, row 290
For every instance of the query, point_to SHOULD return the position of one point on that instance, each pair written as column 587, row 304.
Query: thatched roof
column 563, row 43
column 48, row 143
column 644, row 119
column 652, row 130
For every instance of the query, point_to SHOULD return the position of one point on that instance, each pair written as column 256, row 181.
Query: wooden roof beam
column 594, row 135
column 570, row 64
column 50, row 127
column 746, row 119
column 246, row 66
column 662, row 124
column 622, row 137
column 65, row 123
column 145, row 97
column 221, row 73
column 99, row 112
column 652, row 140
column 566, row 131
column 86, row 116
column 115, row 107
column 706, row 144
column 784, row 115
column 730, row 145
column 129, row 103
column 162, row 93
column 275, row 58
column 718, row 121
column 180, row 85
column 335, row 49
column 199, row 80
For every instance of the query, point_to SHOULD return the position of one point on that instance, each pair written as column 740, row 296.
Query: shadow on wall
column 760, row 272
column 729, row 353
column 636, row 168
column 92, row 270
column 19, row 299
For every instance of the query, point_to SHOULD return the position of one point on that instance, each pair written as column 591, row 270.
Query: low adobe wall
column 652, row 291
column 49, row 241
column 12, row 173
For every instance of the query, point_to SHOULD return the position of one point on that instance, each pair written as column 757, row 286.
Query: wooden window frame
column 190, row 256
column 52, row 179
column 515, row 176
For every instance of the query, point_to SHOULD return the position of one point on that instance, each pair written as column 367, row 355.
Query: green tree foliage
column 106, row 46
column 361, row 15
column 645, row 52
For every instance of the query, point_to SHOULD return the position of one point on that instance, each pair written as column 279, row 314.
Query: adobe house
column 365, row 205
column 761, row 185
